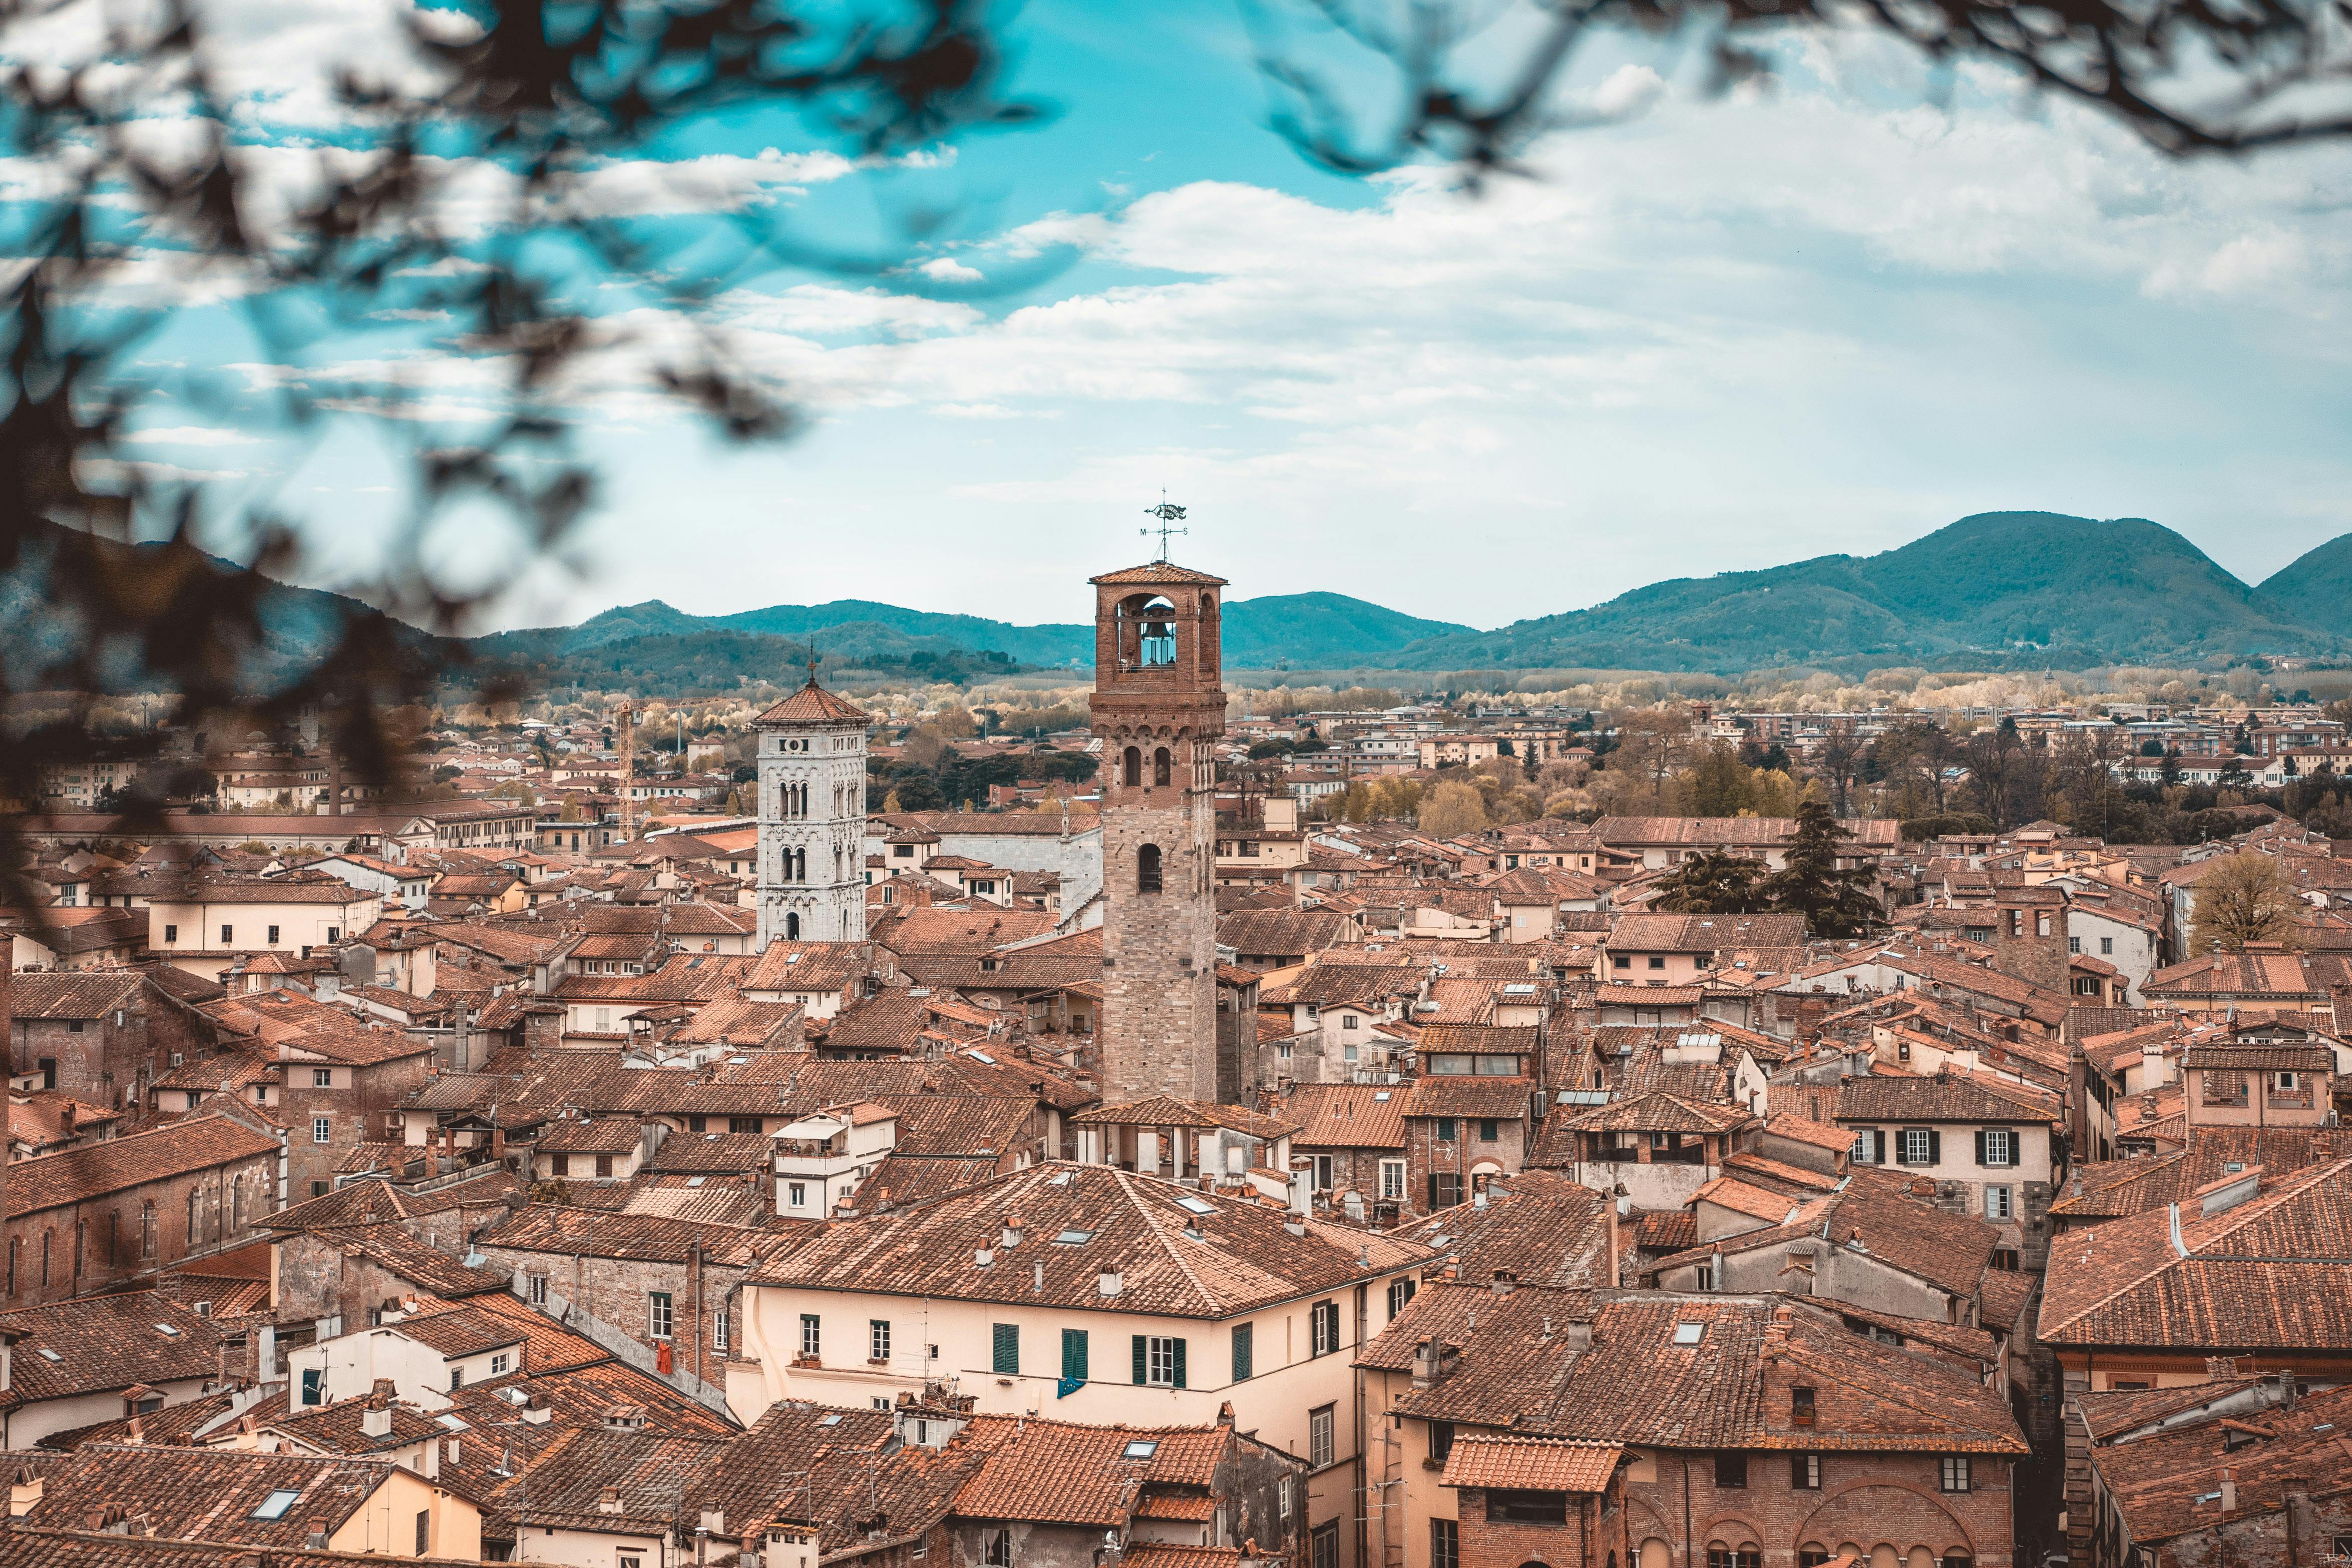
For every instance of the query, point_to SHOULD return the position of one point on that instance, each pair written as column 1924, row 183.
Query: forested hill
column 1997, row 590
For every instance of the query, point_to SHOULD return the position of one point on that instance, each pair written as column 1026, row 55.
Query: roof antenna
column 1166, row 515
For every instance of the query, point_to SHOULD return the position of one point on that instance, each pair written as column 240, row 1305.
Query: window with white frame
column 1159, row 1360
column 1953, row 1475
column 1322, row 1429
column 796, row 1194
column 2000, row 1146
column 322, row 1130
column 322, row 1078
column 719, row 1329
column 2000, row 1202
column 659, row 1314
column 1918, row 1146
column 812, row 1335
column 1865, row 1147
column 1393, row 1181
column 878, row 1339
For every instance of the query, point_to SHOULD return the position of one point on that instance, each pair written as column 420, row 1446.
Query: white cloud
column 193, row 435
column 948, row 270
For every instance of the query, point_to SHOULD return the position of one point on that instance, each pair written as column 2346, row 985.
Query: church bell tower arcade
column 812, row 818
column 1158, row 707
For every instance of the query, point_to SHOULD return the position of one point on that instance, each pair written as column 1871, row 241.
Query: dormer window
column 1801, row 1406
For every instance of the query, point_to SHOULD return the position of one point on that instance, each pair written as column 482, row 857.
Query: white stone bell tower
column 813, row 818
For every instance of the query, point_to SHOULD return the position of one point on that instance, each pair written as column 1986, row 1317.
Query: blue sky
column 1718, row 334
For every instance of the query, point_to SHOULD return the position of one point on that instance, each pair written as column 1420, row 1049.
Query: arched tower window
column 1156, row 644
column 792, row 927
column 1133, row 767
column 1147, row 869
column 1159, row 762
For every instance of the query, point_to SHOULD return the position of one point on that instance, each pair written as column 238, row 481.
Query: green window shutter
column 1074, row 1354
column 1179, row 1361
column 1139, row 1353
column 1008, row 1349
column 1935, row 1147
column 1244, row 1354
column 1980, row 1146
column 1878, row 1145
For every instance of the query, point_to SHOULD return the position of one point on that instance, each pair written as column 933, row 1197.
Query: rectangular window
column 1726, row 1557
column 423, row 1530
column 1801, row 1407
column 1731, row 1471
column 1918, row 1145
column 314, row 1385
column 812, row 1336
column 1996, row 1146
column 1441, row 1440
column 560, row 1164
column 1489, row 1129
column 2106, row 947
column 1323, row 1546
column 228, row 935
column 796, row 1194
column 996, row 1547
column 1998, row 1203
column 723, row 1328
column 272, row 938
column 604, row 1165
column 456, row 1378
column 1444, row 1189
column 1005, row 1349
column 659, row 1314
column 535, row 1290
column 171, row 934
column 1805, row 1472
column 322, row 1130
column 1865, row 1148
column 1953, row 1475
column 878, row 1339
column 1158, row 1361
column 1074, row 1356
column 1399, row 1292
column 322, row 1078
column 1244, row 1354
column 1393, row 1181
column 1445, row 1543
column 751, row 1124
column 1322, row 1432
column 1323, row 1324
column 1527, row 1507
column 1446, row 1130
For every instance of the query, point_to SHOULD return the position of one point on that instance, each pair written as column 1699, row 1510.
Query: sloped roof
column 812, row 704
column 1169, row 1257
column 1158, row 571
column 1532, row 1464
column 2266, row 1274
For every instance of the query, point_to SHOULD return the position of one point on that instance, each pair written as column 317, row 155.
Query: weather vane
column 1168, row 515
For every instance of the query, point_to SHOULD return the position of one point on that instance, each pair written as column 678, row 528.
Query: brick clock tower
column 1158, row 707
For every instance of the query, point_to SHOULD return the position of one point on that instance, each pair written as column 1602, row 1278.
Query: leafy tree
column 2242, row 898
column 1713, row 882
column 1451, row 810
column 1835, row 900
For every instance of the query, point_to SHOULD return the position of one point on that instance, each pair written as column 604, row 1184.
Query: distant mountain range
column 1301, row 630
column 2000, row 590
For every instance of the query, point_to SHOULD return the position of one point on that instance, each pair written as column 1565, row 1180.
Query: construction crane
column 625, row 717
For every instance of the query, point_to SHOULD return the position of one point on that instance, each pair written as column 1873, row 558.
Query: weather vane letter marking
column 1169, row 515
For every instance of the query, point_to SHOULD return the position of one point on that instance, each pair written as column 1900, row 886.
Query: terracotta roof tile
column 1533, row 1463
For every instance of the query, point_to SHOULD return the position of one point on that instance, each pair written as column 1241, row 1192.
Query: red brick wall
column 101, row 1241
column 1866, row 1501
column 1589, row 1540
